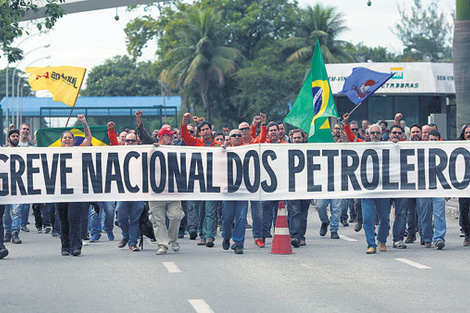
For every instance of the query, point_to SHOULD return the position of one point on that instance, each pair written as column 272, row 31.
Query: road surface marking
column 200, row 306
column 346, row 238
column 411, row 263
column 171, row 267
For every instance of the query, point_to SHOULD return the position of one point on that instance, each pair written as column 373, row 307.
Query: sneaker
column 55, row 234
column 25, row 229
column 358, row 227
column 462, row 234
column 7, row 237
column 259, row 242
column 110, row 235
column 3, row 253
column 15, row 239
column 334, row 235
column 382, row 247
column 399, row 244
column 201, row 242
column 47, row 229
column 95, row 238
column 294, row 242
column 427, row 245
column 466, row 241
column 39, row 230
column 268, row 235
column 344, row 222
column 370, row 250
column 410, row 239
column 162, row 249
column 175, row 246
column 226, row 244
column 76, row 252
column 122, row 243
column 238, row 249
column 65, row 253
column 324, row 228
column 134, row 248
column 209, row 243
column 181, row 234
column 193, row 235
column 440, row 245
column 302, row 243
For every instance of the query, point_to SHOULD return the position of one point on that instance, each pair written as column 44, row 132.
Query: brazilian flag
column 314, row 103
column 50, row 137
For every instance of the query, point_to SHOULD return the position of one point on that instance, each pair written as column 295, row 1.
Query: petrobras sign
column 409, row 78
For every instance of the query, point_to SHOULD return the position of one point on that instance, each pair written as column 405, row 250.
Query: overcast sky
column 88, row 39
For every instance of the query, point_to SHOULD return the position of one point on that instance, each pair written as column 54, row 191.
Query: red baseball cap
column 165, row 131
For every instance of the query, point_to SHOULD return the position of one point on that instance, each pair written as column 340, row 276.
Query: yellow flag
column 64, row 82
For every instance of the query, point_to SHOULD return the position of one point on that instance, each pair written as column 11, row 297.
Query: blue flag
column 362, row 83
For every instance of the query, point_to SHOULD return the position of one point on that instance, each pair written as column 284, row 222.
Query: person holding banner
column 234, row 212
column 382, row 206
column 464, row 203
column 71, row 213
column 206, row 209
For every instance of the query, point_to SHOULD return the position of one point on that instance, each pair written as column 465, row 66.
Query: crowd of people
column 76, row 222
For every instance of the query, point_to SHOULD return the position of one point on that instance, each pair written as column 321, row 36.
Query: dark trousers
column 464, row 205
column 70, row 215
column 44, row 214
column 2, row 209
column 358, row 209
column 412, row 218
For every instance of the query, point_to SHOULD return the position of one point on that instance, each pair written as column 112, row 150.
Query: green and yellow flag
column 50, row 137
column 64, row 82
column 314, row 103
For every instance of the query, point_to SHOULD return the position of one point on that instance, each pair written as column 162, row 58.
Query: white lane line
column 347, row 238
column 200, row 306
column 171, row 267
column 414, row 264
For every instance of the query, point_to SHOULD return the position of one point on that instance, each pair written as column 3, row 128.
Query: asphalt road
column 324, row 276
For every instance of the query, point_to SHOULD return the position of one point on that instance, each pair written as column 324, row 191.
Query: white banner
column 254, row 172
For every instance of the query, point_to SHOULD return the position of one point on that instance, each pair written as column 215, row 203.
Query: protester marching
column 190, row 178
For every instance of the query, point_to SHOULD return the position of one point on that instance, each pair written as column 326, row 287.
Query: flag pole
column 355, row 108
column 79, row 88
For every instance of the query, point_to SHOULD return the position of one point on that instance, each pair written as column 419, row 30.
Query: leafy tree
column 122, row 76
column 26, row 89
column 200, row 58
column 461, row 56
column 362, row 53
column 11, row 13
column 426, row 30
column 324, row 24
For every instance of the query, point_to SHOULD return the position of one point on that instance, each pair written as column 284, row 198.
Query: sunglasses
column 375, row 133
column 131, row 140
column 244, row 128
column 336, row 128
column 354, row 129
column 236, row 135
column 397, row 133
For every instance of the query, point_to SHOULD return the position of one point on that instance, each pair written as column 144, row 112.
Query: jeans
column 24, row 214
column 464, row 205
column 269, row 215
column 2, row 210
column 207, row 218
column 234, row 211
column 106, row 213
column 158, row 212
column 71, row 215
column 336, row 207
column 401, row 208
column 12, row 218
column 257, row 217
column 298, row 218
column 382, row 207
column 412, row 218
column 190, row 220
column 425, row 218
column 433, row 207
column 348, row 204
column 129, row 213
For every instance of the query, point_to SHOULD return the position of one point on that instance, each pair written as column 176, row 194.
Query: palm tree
column 324, row 24
column 461, row 57
column 200, row 59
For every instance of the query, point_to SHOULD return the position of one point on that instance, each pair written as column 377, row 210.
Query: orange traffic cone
column 281, row 240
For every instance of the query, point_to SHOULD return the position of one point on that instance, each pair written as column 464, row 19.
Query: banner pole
column 355, row 108
column 68, row 119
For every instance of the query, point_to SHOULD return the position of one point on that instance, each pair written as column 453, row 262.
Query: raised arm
column 112, row 134
column 86, row 130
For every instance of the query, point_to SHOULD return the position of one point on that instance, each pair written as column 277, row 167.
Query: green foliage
column 11, row 12
column 26, row 89
column 122, row 76
column 426, row 30
column 362, row 53
column 324, row 24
